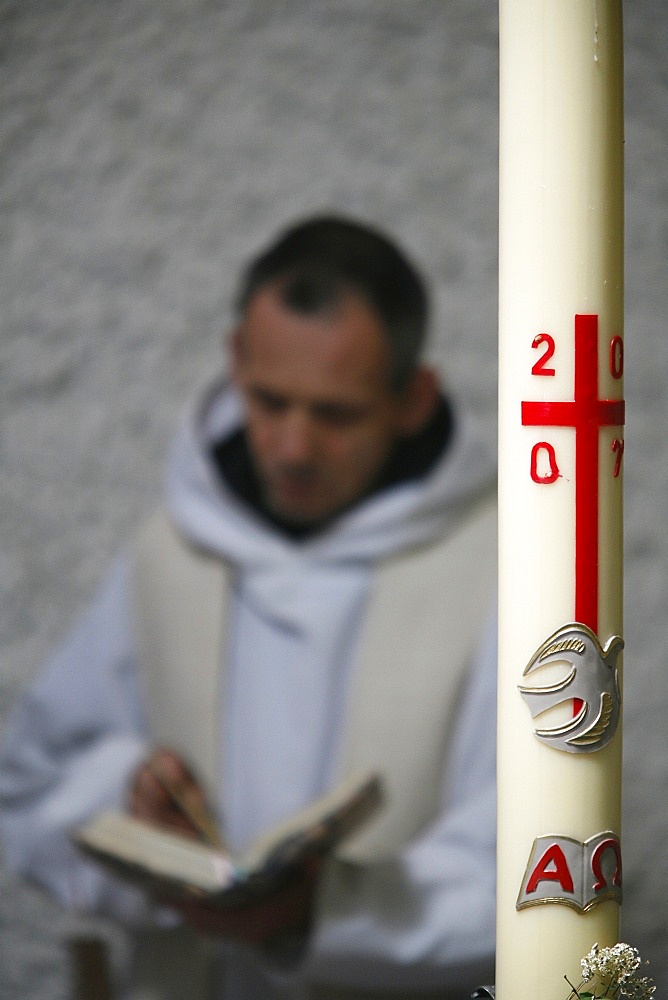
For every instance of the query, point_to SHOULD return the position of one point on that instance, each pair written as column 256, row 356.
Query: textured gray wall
column 147, row 148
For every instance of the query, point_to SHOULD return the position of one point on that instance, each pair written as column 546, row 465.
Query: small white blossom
column 638, row 988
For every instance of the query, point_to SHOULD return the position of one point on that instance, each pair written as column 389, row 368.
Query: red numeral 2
column 539, row 367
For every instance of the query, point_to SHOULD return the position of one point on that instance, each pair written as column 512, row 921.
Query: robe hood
column 402, row 516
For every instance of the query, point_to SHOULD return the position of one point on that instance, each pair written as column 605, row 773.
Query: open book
column 171, row 865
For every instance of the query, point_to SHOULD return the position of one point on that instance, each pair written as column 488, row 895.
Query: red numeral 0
column 617, row 356
column 544, row 468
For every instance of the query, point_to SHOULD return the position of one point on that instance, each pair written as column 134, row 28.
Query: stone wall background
column 147, row 149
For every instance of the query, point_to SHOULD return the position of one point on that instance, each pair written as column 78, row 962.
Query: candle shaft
column 561, row 443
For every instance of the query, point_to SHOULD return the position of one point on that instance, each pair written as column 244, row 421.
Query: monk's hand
column 164, row 792
column 282, row 915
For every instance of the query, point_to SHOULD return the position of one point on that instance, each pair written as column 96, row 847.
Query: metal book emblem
column 564, row 870
column 592, row 680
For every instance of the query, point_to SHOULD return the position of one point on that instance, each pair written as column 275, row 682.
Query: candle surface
column 561, row 444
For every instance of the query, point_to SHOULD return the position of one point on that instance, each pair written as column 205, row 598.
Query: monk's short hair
column 321, row 259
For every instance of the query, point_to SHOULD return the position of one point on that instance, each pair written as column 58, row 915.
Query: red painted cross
column 586, row 413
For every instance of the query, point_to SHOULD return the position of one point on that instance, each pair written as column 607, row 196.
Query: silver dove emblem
column 592, row 680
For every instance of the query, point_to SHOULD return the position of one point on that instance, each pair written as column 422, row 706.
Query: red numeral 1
column 618, row 449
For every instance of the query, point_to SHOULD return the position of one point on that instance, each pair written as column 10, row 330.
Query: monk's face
column 321, row 414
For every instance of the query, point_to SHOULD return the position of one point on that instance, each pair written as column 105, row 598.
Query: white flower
column 609, row 973
column 612, row 965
